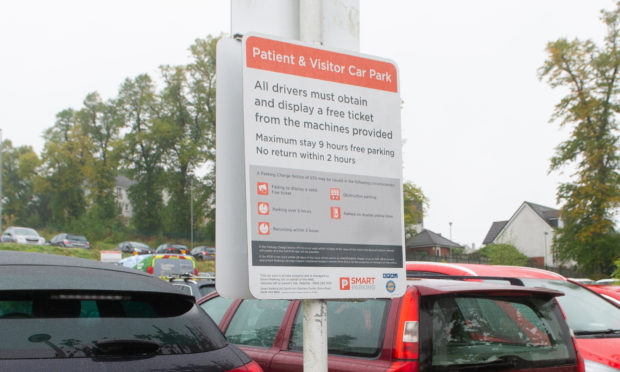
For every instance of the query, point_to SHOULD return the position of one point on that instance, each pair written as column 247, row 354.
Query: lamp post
column 450, row 223
column 545, row 257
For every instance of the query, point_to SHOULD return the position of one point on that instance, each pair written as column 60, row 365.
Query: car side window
column 216, row 307
column 353, row 328
column 256, row 322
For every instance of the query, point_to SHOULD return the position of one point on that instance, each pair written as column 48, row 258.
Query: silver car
column 22, row 235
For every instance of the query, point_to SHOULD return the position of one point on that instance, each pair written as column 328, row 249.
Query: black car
column 70, row 241
column 203, row 253
column 70, row 314
column 172, row 248
column 134, row 247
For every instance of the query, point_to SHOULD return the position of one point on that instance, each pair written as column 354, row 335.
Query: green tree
column 589, row 73
column 414, row 204
column 188, row 134
column 101, row 123
column 19, row 168
column 503, row 254
column 60, row 184
column 141, row 153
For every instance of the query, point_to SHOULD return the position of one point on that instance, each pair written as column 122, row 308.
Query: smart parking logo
column 390, row 286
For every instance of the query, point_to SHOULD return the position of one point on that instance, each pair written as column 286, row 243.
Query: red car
column 611, row 292
column 594, row 320
column 438, row 325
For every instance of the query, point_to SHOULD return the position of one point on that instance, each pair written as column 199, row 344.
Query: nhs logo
column 390, row 275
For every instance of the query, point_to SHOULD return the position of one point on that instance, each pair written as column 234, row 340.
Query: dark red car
column 438, row 325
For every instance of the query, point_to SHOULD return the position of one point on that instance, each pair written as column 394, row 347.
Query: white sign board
column 323, row 172
column 111, row 256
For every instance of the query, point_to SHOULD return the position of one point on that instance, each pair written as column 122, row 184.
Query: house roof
column 124, row 182
column 427, row 238
column 549, row 215
column 496, row 227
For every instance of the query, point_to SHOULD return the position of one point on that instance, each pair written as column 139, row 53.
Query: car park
column 162, row 265
column 203, row 253
column 134, row 248
column 594, row 320
column 438, row 325
column 70, row 241
column 62, row 313
column 22, row 235
column 172, row 248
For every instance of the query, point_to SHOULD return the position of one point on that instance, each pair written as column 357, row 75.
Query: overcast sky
column 475, row 115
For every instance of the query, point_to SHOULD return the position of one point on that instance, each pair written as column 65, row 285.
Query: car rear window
column 172, row 266
column 76, row 237
column 353, row 328
column 75, row 324
column 498, row 332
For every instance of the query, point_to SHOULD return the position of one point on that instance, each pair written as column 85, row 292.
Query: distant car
column 22, row 235
column 70, row 241
column 438, row 325
column 595, row 320
column 62, row 313
column 162, row 265
column 607, row 282
column 203, row 253
column 134, row 247
column 172, row 248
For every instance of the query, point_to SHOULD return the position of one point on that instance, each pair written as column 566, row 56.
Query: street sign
column 323, row 172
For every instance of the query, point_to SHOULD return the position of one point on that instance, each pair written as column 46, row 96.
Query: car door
column 356, row 332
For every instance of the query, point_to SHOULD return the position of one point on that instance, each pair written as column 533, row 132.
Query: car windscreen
column 39, row 324
column 586, row 313
column 493, row 333
column 172, row 266
column 25, row 232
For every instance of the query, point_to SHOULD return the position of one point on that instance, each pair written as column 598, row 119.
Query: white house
column 530, row 229
column 122, row 186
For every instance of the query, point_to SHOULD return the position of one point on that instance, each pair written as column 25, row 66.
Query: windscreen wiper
column 502, row 362
column 601, row 332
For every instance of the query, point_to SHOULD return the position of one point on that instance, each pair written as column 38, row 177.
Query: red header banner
column 299, row 60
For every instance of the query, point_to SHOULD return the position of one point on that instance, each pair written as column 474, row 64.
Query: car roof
column 428, row 287
column 483, row 270
column 40, row 271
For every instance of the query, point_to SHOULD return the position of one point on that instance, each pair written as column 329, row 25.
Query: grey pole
column 1, row 148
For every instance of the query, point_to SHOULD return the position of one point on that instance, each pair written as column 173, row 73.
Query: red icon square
column 262, row 188
column 263, row 208
column 335, row 213
column 263, row 228
column 334, row 193
column 345, row 284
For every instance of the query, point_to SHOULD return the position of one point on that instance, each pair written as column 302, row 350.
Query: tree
column 414, row 203
column 19, row 168
column 503, row 254
column 141, row 153
column 60, row 184
column 101, row 123
column 188, row 122
column 589, row 73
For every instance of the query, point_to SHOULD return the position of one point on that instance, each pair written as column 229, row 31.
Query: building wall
column 526, row 231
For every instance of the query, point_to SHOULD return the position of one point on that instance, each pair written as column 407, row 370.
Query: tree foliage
column 414, row 204
column 159, row 134
column 589, row 74
column 503, row 254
